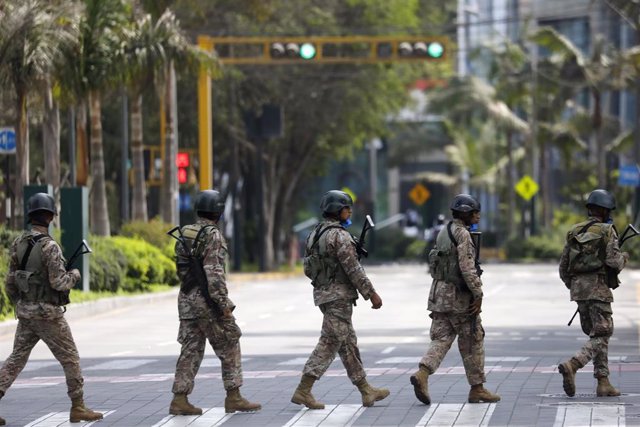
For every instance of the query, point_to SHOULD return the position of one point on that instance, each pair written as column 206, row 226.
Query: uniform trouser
column 224, row 337
column 597, row 323
column 56, row 334
column 444, row 329
column 337, row 337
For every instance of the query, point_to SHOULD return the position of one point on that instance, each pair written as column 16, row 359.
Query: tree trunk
column 597, row 127
column 22, row 156
column 511, row 181
column 51, row 142
column 99, row 208
column 169, row 193
column 546, row 185
column 82, row 145
column 139, row 208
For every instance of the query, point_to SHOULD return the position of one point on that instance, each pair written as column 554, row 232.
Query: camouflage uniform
column 336, row 299
column 39, row 320
column 198, row 324
column 594, row 300
column 450, row 318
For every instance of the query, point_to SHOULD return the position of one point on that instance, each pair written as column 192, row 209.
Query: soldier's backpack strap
column 586, row 227
column 31, row 243
column 202, row 230
column 316, row 238
column 453, row 239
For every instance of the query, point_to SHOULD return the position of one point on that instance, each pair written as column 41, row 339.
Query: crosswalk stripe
column 331, row 415
column 212, row 417
column 61, row 419
column 458, row 414
column 590, row 415
column 120, row 364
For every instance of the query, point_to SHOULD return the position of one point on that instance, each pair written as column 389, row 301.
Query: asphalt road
column 129, row 353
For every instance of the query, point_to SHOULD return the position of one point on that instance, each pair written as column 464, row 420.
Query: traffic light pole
column 205, row 120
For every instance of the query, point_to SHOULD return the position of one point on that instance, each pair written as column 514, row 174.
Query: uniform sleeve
column 340, row 243
column 59, row 278
column 214, row 255
column 10, row 282
column 466, row 260
column 563, row 267
column 614, row 257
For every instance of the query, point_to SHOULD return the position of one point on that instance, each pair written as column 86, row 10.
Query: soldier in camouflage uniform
column 589, row 265
column 331, row 262
column 38, row 284
column 202, row 320
column 455, row 301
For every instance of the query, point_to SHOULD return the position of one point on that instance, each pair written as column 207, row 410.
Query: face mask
column 346, row 223
column 609, row 220
column 474, row 227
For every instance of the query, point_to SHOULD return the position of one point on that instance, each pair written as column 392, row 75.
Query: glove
column 376, row 301
column 76, row 275
column 476, row 307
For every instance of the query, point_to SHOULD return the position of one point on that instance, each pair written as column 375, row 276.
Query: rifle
column 196, row 267
column 83, row 248
column 368, row 225
column 612, row 277
column 476, row 237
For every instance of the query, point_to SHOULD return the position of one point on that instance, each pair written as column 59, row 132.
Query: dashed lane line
column 332, row 415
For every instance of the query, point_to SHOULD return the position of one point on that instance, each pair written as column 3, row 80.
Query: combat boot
column 180, row 406
column 2, row 421
column 79, row 412
column 303, row 396
column 420, row 382
column 605, row 388
column 568, row 371
column 370, row 395
column 235, row 402
column 479, row 394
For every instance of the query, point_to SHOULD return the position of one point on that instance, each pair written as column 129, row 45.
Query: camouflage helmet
column 465, row 203
column 41, row 202
column 209, row 201
column 601, row 198
column 333, row 201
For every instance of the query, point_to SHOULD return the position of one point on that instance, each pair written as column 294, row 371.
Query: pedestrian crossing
column 454, row 414
column 211, row 417
column 61, row 419
column 578, row 415
column 331, row 415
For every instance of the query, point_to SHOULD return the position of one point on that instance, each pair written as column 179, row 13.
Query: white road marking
column 294, row 362
column 416, row 359
column 167, row 343
column 120, row 364
column 265, row 316
column 590, row 415
column 210, row 417
column 388, row 350
column 289, row 308
column 33, row 366
column 60, row 419
column 505, row 359
column 121, row 353
column 458, row 414
column 214, row 362
column 331, row 415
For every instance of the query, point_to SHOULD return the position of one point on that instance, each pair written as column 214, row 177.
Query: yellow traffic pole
column 205, row 137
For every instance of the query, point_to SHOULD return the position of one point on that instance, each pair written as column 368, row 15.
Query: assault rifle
column 368, row 225
column 83, row 248
column 195, row 266
column 612, row 277
column 476, row 237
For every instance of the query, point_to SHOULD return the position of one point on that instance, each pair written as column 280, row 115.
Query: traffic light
column 182, row 162
column 421, row 49
column 292, row 50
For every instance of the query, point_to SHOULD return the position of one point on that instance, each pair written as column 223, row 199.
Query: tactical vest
column 321, row 268
column 443, row 259
column 587, row 242
column 31, row 277
column 193, row 235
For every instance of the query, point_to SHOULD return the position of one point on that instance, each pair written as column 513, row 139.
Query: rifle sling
column 316, row 238
column 32, row 243
column 204, row 288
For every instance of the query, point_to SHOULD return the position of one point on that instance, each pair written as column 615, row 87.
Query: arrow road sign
column 7, row 141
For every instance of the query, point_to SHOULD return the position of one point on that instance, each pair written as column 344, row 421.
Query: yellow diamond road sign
column 419, row 194
column 350, row 193
column 527, row 187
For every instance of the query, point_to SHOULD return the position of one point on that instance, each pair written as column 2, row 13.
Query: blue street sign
column 7, row 141
column 629, row 176
column 184, row 202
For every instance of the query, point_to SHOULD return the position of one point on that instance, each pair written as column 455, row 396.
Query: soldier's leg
column 442, row 336
column 192, row 340
column 224, row 338
column 23, row 343
column 332, row 338
column 471, row 346
column 597, row 323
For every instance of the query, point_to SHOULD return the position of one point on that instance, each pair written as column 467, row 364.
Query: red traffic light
column 182, row 160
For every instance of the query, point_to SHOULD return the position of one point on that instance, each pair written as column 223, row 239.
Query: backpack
column 586, row 248
column 315, row 267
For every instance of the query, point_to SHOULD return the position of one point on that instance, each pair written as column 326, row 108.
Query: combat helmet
column 209, row 201
column 601, row 198
column 41, row 202
column 465, row 203
column 333, row 201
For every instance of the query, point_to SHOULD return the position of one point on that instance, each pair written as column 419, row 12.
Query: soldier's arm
column 614, row 257
column 10, row 282
column 563, row 267
column 340, row 244
column 213, row 263
column 59, row 278
column 466, row 260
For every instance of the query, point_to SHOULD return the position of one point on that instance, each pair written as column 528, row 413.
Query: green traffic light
column 435, row 50
column 307, row 51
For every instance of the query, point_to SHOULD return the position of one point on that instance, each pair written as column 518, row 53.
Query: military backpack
column 587, row 246
column 443, row 260
column 318, row 267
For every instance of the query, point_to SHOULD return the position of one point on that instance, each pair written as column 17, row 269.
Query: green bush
column 390, row 244
column 107, row 265
column 416, row 251
column 146, row 264
column 5, row 305
column 154, row 232
column 543, row 247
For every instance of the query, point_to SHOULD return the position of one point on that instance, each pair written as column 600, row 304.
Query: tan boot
column 79, row 412
column 235, row 402
column 605, row 388
column 303, row 396
column 370, row 395
column 420, row 382
column 2, row 421
column 479, row 394
column 568, row 371
column 180, row 406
